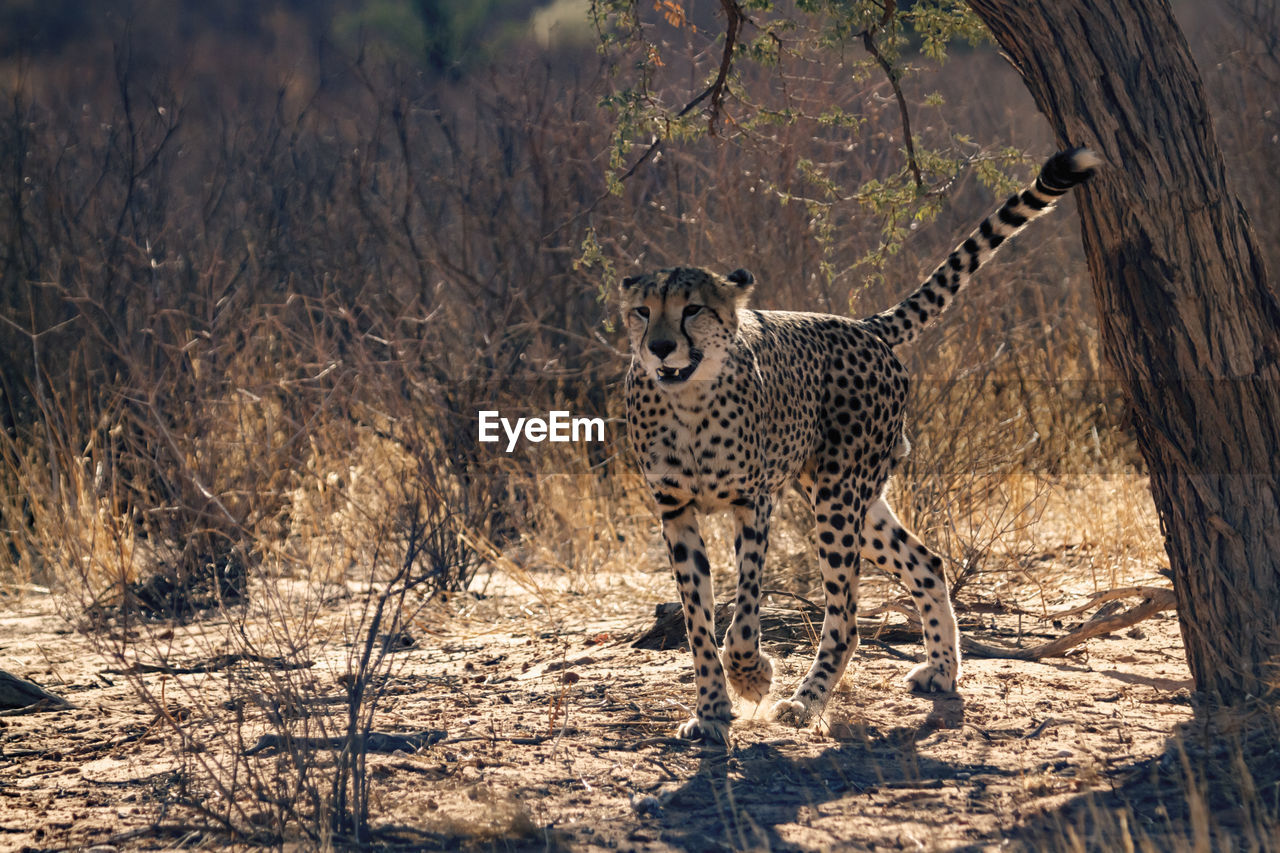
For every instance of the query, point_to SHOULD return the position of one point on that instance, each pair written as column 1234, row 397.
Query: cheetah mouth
column 676, row 375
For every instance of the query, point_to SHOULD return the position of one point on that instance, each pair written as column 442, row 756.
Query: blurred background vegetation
column 258, row 256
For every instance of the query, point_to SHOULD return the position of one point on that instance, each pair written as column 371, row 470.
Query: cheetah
column 726, row 405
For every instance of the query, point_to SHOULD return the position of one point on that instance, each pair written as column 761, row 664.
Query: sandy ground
column 557, row 736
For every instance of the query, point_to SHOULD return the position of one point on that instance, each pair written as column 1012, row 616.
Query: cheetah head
column 682, row 321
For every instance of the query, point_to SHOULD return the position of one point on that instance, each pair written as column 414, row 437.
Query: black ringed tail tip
column 1068, row 168
column 1063, row 171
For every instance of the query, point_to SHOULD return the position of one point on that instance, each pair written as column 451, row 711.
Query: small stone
column 645, row 805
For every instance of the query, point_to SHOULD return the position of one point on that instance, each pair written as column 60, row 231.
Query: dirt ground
column 558, row 736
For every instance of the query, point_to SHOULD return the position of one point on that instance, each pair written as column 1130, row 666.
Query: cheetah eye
column 642, row 312
column 692, row 311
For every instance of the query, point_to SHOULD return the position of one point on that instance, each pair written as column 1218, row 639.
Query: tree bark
column 1189, row 320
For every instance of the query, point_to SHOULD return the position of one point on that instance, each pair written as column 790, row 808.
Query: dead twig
column 661, row 740
column 532, row 740
column 800, row 598
column 882, row 645
column 1044, row 724
column 36, row 708
column 891, row 607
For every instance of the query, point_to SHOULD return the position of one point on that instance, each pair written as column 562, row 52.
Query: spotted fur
column 727, row 405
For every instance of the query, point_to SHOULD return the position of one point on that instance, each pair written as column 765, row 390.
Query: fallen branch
column 37, row 708
column 891, row 651
column 216, row 664
column 1158, row 600
column 1044, row 724
column 20, row 696
column 801, row 624
column 1110, row 595
column 372, row 742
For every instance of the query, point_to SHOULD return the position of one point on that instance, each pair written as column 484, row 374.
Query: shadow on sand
column 1215, row 786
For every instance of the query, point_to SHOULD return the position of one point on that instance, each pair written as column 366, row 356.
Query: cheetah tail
column 904, row 321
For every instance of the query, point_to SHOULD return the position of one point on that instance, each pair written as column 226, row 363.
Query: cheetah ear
column 629, row 282
column 742, row 278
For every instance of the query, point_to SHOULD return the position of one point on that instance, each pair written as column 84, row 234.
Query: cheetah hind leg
column 888, row 544
column 838, row 556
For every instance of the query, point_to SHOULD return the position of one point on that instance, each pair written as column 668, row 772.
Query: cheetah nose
column 662, row 349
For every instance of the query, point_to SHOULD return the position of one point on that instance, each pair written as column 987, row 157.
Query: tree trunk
column 1189, row 320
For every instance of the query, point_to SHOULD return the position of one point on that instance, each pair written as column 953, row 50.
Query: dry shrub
column 250, row 338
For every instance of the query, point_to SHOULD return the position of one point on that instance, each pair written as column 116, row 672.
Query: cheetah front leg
column 888, row 544
column 837, row 533
column 750, row 672
column 711, row 717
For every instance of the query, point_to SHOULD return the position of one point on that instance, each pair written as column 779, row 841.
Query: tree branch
column 869, row 42
column 733, row 24
column 1097, row 598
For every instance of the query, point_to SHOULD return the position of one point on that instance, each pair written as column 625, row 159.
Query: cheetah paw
column 704, row 729
column 930, row 678
column 791, row 712
column 751, row 683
